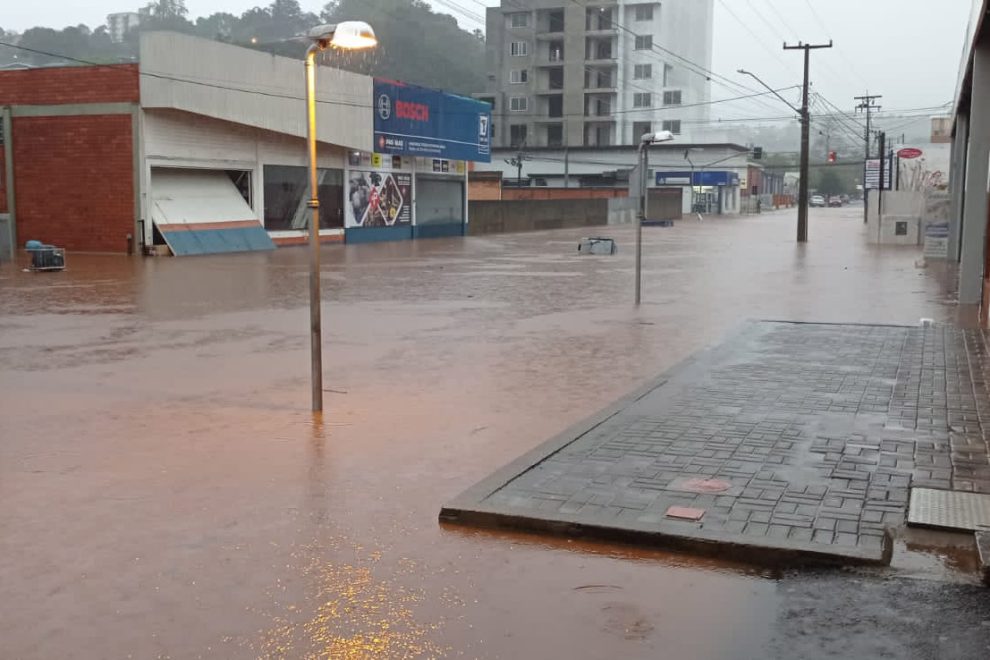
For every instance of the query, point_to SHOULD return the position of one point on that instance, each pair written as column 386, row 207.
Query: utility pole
column 567, row 168
column 882, row 138
column 867, row 105
column 802, row 229
column 517, row 163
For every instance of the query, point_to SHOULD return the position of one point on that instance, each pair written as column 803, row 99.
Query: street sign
column 909, row 152
column 416, row 121
column 872, row 174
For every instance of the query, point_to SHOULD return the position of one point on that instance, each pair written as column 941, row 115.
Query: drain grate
column 949, row 509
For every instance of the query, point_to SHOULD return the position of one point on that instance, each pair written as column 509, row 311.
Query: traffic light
column 832, row 157
column 757, row 153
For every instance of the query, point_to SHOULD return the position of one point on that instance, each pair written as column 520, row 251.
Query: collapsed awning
column 203, row 212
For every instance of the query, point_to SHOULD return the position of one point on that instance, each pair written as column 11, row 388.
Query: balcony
column 600, row 84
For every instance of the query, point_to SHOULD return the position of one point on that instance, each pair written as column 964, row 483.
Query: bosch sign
column 414, row 111
column 416, row 121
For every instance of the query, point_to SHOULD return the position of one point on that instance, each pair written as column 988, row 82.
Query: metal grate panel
column 949, row 509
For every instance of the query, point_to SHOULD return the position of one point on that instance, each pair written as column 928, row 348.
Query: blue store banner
column 701, row 178
column 416, row 121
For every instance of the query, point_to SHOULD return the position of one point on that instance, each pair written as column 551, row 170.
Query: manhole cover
column 704, row 486
column 948, row 509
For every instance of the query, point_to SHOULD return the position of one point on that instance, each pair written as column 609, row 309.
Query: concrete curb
column 769, row 552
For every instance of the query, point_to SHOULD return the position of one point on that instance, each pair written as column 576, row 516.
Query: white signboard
column 872, row 174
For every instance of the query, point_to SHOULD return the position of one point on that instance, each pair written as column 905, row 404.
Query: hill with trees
column 417, row 45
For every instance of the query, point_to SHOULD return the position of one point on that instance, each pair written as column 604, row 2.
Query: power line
column 828, row 33
column 755, row 36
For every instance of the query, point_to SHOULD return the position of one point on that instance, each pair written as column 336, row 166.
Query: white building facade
column 597, row 73
column 120, row 23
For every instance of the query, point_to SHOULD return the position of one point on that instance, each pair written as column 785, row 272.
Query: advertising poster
column 378, row 199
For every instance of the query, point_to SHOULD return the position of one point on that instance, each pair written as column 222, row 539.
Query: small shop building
column 200, row 148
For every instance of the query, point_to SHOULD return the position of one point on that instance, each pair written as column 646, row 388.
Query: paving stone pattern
column 820, row 430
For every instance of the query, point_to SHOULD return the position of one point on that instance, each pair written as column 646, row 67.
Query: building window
column 518, row 103
column 642, row 71
column 519, row 48
column 668, row 71
column 672, row 125
column 518, row 76
column 641, row 128
column 519, row 20
column 555, row 20
column 555, row 52
column 517, row 134
column 642, row 100
column 644, row 42
column 644, row 12
column 555, row 135
column 672, row 98
column 598, row 18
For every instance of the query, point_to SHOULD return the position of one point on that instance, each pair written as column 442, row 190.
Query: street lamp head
column 659, row 136
column 347, row 35
column 743, row 71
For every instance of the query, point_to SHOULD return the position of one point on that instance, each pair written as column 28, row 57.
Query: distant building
column 119, row 24
column 564, row 74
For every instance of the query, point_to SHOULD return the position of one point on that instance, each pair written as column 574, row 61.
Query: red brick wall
column 74, row 181
column 70, row 84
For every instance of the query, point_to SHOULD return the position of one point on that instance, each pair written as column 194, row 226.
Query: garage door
column 203, row 212
column 439, row 201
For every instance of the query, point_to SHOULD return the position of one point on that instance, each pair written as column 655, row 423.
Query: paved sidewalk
column 799, row 443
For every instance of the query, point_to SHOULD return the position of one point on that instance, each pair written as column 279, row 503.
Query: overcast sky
column 907, row 50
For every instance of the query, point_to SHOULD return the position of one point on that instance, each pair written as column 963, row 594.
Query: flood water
column 165, row 491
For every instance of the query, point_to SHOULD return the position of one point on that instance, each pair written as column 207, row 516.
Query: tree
column 416, row 45
column 219, row 25
column 166, row 15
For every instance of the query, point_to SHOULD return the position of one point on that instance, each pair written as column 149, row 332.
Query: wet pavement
column 789, row 443
column 165, row 491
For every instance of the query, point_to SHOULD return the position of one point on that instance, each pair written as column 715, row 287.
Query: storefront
column 705, row 191
column 201, row 149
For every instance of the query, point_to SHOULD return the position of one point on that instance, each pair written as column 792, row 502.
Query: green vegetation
column 417, row 45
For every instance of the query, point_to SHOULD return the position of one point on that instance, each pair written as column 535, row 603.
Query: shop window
column 286, row 195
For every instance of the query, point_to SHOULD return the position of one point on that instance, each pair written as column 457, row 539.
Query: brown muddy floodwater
column 165, row 491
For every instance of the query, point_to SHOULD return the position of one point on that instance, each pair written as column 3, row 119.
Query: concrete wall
column 974, row 226
column 535, row 215
column 622, row 210
column 253, row 88
column 563, row 193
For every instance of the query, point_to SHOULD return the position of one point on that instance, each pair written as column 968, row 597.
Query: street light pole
column 349, row 35
column 643, row 159
column 315, row 321
column 641, row 215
